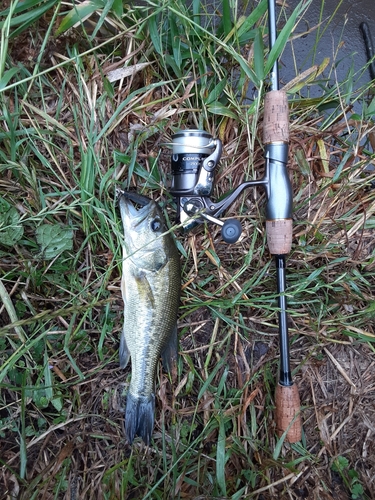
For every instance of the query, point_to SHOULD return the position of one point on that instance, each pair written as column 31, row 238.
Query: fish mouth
column 128, row 205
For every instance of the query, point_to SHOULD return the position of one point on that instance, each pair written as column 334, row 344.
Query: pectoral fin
column 124, row 353
column 170, row 352
column 144, row 289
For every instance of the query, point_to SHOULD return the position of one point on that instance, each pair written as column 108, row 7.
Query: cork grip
column 279, row 236
column 276, row 117
column 287, row 408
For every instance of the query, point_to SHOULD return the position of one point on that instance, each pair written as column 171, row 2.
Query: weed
column 349, row 476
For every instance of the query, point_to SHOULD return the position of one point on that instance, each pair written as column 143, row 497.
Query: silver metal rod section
column 278, row 187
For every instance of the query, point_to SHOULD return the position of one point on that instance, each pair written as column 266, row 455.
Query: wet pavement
column 337, row 36
column 328, row 29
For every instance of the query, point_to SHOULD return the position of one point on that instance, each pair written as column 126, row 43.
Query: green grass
column 68, row 138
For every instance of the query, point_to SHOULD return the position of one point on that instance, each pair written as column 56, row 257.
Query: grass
column 69, row 137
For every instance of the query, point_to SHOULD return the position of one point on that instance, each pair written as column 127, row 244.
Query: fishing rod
column 195, row 155
column 279, row 233
column 369, row 46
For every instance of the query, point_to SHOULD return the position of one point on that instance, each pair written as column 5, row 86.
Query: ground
column 71, row 136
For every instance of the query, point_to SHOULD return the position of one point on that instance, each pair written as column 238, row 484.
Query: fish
column 150, row 285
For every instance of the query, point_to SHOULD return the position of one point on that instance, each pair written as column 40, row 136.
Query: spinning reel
column 195, row 155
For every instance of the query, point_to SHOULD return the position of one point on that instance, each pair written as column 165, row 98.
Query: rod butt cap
column 288, row 411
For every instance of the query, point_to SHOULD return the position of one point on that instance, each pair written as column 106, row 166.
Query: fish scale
column 151, row 283
column 137, row 317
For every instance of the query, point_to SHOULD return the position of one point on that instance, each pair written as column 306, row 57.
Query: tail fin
column 139, row 417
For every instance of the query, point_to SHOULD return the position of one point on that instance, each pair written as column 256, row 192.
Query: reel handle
column 231, row 229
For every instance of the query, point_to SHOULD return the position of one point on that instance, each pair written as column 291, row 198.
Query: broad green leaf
column 54, row 239
column 217, row 108
column 22, row 6
column 47, row 376
column 32, row 15
column 259, row 55
column 220, row 457
column 279, row 445
column 4, row 206
column 215, row 93
column 370, row 109
column 107, row 8
column 303, row 164
column 340, row 464
column 175, row 41
column 172, row 63
column 341, row 165
column 79, row 13
column 357, row 491
column 11, row 230
column 118, row 8
column 254, row 17
column 196, row 11
column 40, row 398
column 7, row 76
column 210, row 378
column 245, row 67
column 154, row 34
column 226, row 20
column 353, row 474
column 249, row 35
column 57, row 403
column 284, row 35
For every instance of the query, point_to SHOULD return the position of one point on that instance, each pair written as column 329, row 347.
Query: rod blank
column 272, row 34
column 285, row 377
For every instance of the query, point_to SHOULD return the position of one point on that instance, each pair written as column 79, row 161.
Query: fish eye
column 155, row 224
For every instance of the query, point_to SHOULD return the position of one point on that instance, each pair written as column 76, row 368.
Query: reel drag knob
column 231, row 230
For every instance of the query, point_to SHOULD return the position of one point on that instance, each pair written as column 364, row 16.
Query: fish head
column 144, row 240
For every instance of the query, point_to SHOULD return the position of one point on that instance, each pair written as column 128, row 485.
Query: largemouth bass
column 151, row 282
